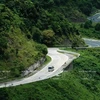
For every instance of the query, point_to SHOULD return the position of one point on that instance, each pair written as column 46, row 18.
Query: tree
column 6, row 18
column 42, row 48
column 97, row 27
column 3, row 44
column 86, row 7
column 3, row 94
column 48, row 37
column 36, row 34
column 88, row 24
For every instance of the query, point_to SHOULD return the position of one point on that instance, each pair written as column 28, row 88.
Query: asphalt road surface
column 58, row 60
column 92, row 42
column 95, row 18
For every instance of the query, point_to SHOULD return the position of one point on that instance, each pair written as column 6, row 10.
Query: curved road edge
column 59, row 60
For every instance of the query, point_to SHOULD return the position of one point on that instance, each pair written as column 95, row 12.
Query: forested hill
column 47, row 21
column 43, row 21
column 25, row 23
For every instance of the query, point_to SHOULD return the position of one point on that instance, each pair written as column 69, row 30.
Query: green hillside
column 39, row 16
column 82, row 83
column 24, row 24
column 28, row 27
column 17, row 52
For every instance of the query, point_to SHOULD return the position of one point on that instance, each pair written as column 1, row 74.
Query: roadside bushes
column 97, row 27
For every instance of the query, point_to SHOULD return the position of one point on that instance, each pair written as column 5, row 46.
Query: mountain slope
column 17, row 52
column 82, row 83
column 24, row 23
column 37, row 16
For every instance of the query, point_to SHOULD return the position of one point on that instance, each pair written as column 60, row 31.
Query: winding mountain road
column 92, row 42
column 58, row 60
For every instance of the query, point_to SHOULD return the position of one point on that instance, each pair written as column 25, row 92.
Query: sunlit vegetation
column 17, row 52
column 26, row 26
column 90, row 29
column 33, row 17
column 25, row 23
column 82, row 83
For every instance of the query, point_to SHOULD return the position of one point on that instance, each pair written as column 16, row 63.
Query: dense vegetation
column 82, row 83
column 89, row 29
column 17, row 52
column 26, row 25
column 34, row 17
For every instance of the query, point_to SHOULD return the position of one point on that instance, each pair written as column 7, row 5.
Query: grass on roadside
column 48, row 59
